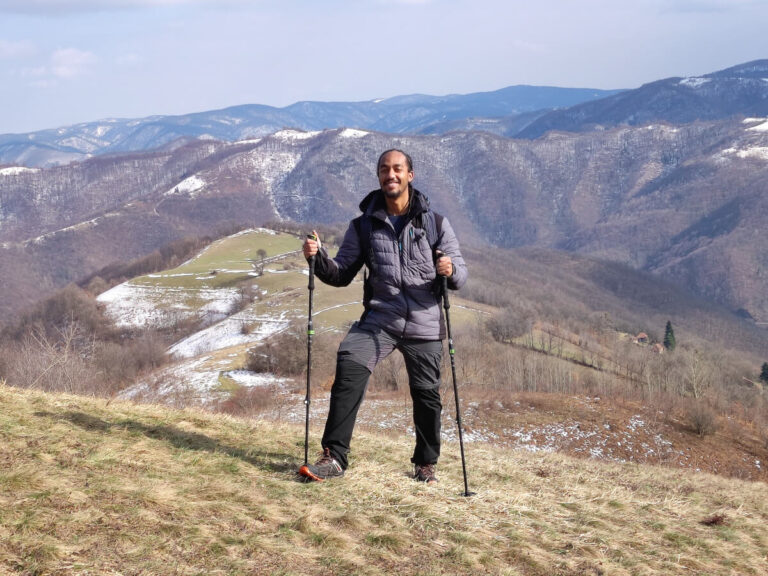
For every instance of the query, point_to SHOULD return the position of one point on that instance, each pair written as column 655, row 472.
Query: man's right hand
column 311, row 245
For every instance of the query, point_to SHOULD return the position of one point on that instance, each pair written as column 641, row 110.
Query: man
column 402, row 310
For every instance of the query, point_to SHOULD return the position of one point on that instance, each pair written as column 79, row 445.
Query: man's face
column 394, row 175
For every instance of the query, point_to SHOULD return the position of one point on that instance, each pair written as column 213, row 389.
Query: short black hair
column 408, row 159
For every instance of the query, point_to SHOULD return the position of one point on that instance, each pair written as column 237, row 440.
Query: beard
column 392, row 194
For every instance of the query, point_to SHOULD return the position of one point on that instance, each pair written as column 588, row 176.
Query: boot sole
column 304, row 471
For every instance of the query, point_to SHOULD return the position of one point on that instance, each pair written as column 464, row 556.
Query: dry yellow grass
column 93, row 487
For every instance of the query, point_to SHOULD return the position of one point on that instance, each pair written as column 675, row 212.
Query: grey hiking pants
column 359, row 353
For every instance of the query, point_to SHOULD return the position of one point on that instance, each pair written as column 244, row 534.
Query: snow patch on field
column 193, row 382
column 254, row 380
column 229, row 332
column 137, row 306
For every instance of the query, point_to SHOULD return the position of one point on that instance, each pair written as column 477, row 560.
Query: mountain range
column 511, row 109
column 684, row 199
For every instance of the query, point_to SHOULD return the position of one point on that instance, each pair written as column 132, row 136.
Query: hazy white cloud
column 71, row 62
column 34, row 72
column 15, row 50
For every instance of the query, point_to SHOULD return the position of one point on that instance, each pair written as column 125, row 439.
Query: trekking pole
column 451, row 352
column 310, row 333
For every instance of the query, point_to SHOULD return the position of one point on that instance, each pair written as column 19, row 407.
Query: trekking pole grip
column 312, row 265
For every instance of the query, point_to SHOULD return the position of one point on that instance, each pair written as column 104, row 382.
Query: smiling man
column 405, row 247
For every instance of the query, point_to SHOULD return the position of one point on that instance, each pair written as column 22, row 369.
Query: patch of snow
column 136, row 305
column 634, row 423
column 16, row 170
column 694, row 82
column 193, row 382
column 184, row 379
column 170, row 275
column 753, row 120
column 758, row 152
column 229, row 332
column 760, row 127
column 101, row 130
column 352, row 133
column 190, row 186
column 294, row 135
column 252, row 379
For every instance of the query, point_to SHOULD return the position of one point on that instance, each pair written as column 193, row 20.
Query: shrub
column 120, row 363
column 702, row 418
column 70, row 305
column 247, row 401
column 284, row 354
column 510, row 324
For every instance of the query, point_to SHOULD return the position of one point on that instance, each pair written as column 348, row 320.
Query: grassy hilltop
column 89, row 486
column 567, row 419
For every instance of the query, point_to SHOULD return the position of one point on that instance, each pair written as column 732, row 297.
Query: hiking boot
column 326, row 467
column 425, row 473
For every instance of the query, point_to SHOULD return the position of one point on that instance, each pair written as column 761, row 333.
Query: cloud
column 15, row 50
column 71, row 62
column 36, row 72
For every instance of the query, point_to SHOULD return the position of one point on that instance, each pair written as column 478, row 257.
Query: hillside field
column 89, row 486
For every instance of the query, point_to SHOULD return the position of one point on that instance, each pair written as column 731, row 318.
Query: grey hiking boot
column 325, row 468
column 425, row 473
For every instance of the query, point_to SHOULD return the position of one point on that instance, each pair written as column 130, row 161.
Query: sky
column 69, row 61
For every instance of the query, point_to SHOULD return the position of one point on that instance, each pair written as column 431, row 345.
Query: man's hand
column 311, row 245
column 444, row 265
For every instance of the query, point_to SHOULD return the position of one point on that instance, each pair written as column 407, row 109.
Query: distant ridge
column 415, row 113
column 739, row 90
